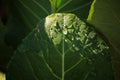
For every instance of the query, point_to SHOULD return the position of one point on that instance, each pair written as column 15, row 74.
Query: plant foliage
column 53, row 41
column 61, row 48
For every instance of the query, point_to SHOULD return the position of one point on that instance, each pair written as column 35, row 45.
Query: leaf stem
column 63, row 68
column 63, row 59
column 63, row 53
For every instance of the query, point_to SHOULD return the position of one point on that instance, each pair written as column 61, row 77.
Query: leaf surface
column 61, row 48
column 78, row 7
column 25, row 14
column 106, row 18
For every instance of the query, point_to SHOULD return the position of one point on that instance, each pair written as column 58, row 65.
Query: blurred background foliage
column 105, row 16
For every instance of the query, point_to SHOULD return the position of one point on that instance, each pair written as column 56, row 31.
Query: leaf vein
column 64, row 5
column 73, row 66
column 49, row 68
column 41, row 6
column 31, row 67
column 23, row 16
column 82, row 6
column 54, row 47
column 36, row 16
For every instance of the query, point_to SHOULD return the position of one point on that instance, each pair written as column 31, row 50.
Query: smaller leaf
column 55, row 4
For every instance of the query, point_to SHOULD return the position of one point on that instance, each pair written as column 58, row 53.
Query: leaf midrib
column 63, row 52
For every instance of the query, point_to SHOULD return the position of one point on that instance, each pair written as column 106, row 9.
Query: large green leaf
column 25, row 14
column 61, row 48
column 106, row 17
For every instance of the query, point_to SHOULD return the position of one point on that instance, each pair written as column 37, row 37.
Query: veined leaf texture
column 62, row 47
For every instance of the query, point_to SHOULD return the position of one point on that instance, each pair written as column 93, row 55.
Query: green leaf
column 78, row 7
column 105, row 16
column 25, row 14
column 61, row 48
